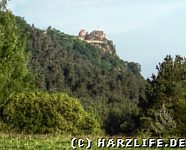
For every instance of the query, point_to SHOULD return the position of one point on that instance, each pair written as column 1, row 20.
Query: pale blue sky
column 144, row 31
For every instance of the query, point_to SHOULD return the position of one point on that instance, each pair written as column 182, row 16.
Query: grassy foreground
column 47, row 142
column 34, row 142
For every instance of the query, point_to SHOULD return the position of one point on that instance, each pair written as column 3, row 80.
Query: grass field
column 47, row 142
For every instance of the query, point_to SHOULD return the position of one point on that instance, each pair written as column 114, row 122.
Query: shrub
column 41, row 112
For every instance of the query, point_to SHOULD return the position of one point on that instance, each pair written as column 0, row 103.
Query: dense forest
column 54, row 82
column 64, row 63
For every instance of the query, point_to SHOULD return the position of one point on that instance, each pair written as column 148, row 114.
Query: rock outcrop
column 98, row 39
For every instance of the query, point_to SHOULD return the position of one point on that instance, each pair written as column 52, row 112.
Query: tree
column 180, row 110
column 14, row 75
column 168, row 89
column 159, row 122
column 3, row 5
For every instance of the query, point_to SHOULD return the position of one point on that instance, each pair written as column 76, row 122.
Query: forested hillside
column 103, row 83
column 111, row 89
column 23, row 107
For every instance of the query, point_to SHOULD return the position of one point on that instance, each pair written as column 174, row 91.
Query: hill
column 106, row 84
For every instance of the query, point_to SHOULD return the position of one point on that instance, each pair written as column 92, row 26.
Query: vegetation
column 64, row 63
column 14, row 75
column 32, row 112
column 110, row 95
column 40, row 112
column 166, row 100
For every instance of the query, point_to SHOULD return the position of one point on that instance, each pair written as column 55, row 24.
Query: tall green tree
column 168, row 89
column 169, row 83
column 14, row 75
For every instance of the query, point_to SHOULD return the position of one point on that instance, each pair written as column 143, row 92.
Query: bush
column 41, row 112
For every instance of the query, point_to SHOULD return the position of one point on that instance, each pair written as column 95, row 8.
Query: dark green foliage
column 40, row 112
column 107, row 86
column 167, row 89
column 122, row 117
column 159, row 122
column 180, row 114
column 32, row 112
column 65, row 63
column 167, row 86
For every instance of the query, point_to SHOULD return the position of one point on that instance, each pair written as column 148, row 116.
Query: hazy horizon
column 143, row 31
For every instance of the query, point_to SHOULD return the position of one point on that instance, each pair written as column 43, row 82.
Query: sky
column 143, row 31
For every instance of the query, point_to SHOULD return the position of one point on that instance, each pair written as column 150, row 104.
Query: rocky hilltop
column 98, row 39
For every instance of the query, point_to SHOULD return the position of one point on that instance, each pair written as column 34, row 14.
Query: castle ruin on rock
column 95, row 36
column 98, row 39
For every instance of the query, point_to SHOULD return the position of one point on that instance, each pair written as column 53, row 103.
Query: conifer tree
column 168, row 88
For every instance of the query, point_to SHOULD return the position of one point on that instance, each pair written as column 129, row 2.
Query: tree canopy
column 166, row 95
